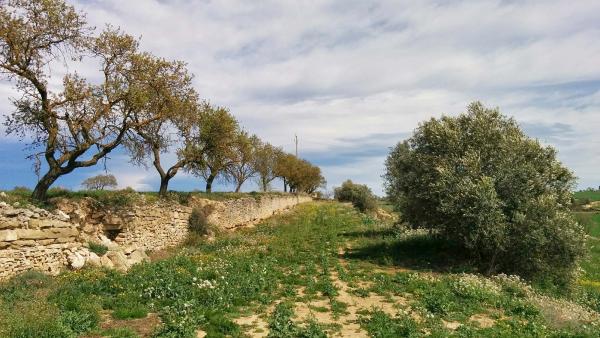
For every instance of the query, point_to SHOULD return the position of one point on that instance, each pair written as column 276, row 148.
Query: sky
column 353, row 78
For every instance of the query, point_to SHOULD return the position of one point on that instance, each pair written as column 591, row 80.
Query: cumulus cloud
column 352, row 78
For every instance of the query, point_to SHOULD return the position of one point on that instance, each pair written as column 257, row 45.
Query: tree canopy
column 502, row 196
column 100, row 182
column 140, row 101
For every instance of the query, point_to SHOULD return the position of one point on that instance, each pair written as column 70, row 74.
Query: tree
column 359, row 195
column 284, row 168
column 79, row 125
column 265, row 159
column 173, row 98
column 213, row 149
column 297, row 174
column 483, row 184
column 306, row 177
column 243, row 160
column 100, row 182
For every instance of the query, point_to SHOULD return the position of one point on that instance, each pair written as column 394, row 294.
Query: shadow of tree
column 417, row 251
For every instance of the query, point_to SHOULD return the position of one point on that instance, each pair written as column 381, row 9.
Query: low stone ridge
column 48, row 241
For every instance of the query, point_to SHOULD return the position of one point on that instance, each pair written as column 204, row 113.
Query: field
column 320, row 270
column 592, row 195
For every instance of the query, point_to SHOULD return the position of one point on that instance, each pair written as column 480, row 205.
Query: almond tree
column 173, row 98
column 212, row 151
column 100, row 182
column 79, row 124
column 265, row 160
column 244, row 153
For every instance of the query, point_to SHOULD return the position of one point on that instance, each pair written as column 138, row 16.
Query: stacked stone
column 34, row 238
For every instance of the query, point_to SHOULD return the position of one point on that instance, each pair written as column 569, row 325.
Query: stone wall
column 33, row 238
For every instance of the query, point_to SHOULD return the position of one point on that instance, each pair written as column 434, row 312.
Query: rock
column 3, row 205
column 46, row 233
column 138, row 256
column 11, row 212
column 108, row 243
column 119, row 260
column 10, row 223
column 105, row 262
column 128, row 250
column 94, row 260
column 62, row 216
column 76, row 261
column 8, row 236
column 3, row 194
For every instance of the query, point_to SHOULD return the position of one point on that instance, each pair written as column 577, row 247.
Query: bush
column 489, row 188
column 198, row 222
column 97, row 248
column 359, row 195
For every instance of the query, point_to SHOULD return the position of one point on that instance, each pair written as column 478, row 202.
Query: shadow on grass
column 416, row 252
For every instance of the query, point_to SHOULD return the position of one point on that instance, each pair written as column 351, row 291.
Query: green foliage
column 100, row 182
column 380, row 325
column 97, row 248
column 489, row 188
column 359, row 195
column 208, row 284
column 130, row 310
column 589, row 195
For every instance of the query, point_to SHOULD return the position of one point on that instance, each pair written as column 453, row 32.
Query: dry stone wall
column 33, row 238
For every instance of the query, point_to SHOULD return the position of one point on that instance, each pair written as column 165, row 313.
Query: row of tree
column 144, row 102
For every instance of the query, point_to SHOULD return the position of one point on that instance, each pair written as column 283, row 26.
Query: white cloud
column 337, row 70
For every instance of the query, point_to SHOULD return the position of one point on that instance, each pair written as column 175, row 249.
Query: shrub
column 486, row 186
column 97, row 248
column 198, row 222
column 359, row 195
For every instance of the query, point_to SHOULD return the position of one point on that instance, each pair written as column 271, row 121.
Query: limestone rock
column 3, row 205
column 3, row 194
column 106, row 262
column 8, row 236
column 138, row 256
column 94, row 260
column 119, row 260
column 62, row 216
column 76, row 261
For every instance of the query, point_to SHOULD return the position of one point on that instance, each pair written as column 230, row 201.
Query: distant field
column 592, row 195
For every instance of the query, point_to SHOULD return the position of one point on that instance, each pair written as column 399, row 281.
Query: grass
column 125, row 197
column 591, row 195
column 269, row 270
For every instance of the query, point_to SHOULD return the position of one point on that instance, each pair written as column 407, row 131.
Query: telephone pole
column 296, row 141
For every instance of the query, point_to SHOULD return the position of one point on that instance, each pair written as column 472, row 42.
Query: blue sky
column 352, row 78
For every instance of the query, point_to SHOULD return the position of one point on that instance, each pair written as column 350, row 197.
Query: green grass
column 592, row 195
column 125, row 197
column 208, row 284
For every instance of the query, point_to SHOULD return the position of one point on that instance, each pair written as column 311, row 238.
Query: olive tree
column 79, row 124
column 359, row 195
column 100, row 182
column 485, row 185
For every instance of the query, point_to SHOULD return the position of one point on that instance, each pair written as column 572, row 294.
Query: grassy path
column 321, row 270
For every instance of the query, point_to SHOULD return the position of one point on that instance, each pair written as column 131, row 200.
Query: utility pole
column 296, row 141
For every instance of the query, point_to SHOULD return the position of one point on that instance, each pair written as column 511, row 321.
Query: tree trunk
column 238, row 187
column 164, row 185
column 209, row 182
column 41, row 188
column 284, row 185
